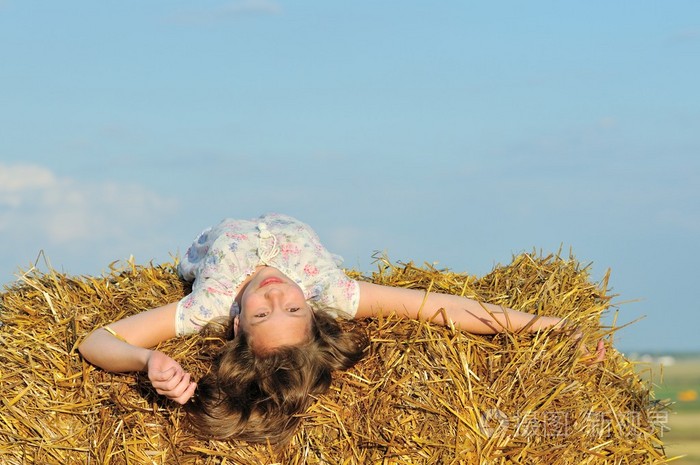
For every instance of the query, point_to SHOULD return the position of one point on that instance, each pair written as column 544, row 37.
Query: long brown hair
column 257, row 397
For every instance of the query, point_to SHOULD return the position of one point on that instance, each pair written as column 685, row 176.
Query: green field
column 677, row 382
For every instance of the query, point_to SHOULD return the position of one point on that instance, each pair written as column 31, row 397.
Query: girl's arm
column 466, row 314
column 130, row 351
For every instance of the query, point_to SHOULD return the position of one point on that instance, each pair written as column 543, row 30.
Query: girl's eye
column 294, row 309
column 260, row 315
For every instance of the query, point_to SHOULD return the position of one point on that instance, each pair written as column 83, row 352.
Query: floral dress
column 223, row 256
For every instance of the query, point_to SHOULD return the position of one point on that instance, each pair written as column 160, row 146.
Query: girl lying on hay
column 281, row 292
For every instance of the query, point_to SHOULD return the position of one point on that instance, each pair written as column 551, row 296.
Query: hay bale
column 425, row 394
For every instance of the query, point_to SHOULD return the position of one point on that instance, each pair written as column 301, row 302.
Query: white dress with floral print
column 223, row 256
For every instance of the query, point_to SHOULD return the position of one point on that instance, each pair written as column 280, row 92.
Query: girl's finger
column 187, row 395
column 178, row 389
column 598, row 356
column 600, row 352
column 168, row 381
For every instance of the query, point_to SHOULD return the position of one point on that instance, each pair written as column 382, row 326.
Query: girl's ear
column 236, row 321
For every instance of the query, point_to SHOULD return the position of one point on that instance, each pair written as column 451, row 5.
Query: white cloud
column 60, row 210
column 21, row 177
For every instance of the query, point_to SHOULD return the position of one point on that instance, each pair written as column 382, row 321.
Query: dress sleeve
column 189, row 265
column 209, row 300
column 341, row 295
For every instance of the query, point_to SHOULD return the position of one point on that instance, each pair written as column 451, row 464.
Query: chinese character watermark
column 561, row 423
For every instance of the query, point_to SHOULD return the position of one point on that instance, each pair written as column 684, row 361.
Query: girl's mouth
column 271, row 280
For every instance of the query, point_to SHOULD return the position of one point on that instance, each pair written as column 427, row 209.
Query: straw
column 425, row 394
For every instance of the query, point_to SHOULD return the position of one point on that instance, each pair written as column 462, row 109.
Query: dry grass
column 425, row 394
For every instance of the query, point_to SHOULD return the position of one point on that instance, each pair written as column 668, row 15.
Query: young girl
column 282, row 291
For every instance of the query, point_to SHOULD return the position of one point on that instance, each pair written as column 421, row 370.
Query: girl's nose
column 274, row 295
column 273, row 291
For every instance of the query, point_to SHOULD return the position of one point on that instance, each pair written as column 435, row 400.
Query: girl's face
column 274, row 311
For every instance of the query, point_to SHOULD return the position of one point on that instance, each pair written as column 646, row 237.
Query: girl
column 281, row 291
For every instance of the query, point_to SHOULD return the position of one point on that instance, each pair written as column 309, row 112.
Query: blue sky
column 456, row 132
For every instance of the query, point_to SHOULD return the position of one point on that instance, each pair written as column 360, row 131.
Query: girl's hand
column 169, row 379
column 577, row 336
column 596, row 357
